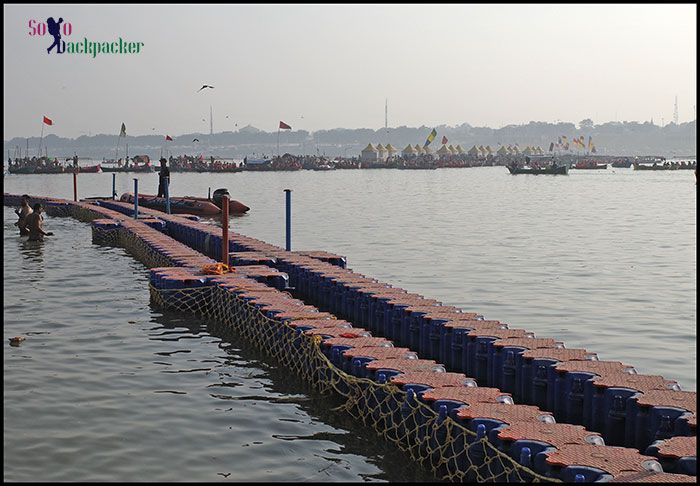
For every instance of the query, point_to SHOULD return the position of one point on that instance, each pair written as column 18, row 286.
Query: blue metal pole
column 166, row 181
column 136, row 198
column 114, row 186
column 289, row 219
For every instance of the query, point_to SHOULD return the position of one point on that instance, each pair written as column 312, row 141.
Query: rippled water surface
column 107, row 388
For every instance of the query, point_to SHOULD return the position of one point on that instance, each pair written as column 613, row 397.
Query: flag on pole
column 430, row 138
column 444, row 140
column 284, row 126
column 168, row 138
column 48, row 120
column 122, row 133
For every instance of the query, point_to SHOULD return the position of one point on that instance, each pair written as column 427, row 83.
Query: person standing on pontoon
column 162, row 176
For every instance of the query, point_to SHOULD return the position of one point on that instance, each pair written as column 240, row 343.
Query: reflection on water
column 108, row 388
column 32, row 252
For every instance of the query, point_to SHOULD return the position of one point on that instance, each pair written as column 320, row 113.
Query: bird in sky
column 204, row 86
column 195, row 140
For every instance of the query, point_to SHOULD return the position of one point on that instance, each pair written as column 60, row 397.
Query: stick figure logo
column 55, row 31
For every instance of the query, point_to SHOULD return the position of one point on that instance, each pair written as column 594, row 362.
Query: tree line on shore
column 611, row 138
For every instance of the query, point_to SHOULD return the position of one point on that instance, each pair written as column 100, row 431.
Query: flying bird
column 205, row 86
column 195, row 140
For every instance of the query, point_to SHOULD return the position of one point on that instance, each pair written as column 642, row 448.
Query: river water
column 108, row 388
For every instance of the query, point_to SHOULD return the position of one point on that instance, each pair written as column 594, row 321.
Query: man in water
column 162, row 176
column 35, row 221
column 22, row 212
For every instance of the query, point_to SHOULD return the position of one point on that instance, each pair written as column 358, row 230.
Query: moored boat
column 91, row 169
column 664, row 166
column 50, row 170
column 589, row 164
column 191, row 205
column 619, row 164
column 20, row 170
column 140, row 168
column 559, row 169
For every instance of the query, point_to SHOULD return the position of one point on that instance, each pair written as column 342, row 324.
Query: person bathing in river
column 22, row 212
column 35, row 222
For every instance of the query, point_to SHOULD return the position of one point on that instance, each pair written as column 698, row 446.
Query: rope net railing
column 451, row 451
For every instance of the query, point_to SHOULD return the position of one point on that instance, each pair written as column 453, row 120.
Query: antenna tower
column 386, row 115
column 675, row 111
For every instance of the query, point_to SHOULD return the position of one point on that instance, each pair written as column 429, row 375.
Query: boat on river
column 21, row 170
column 554, row 170
column 620, row 164
column 590, row 164
column 128, row 169
column 200, row 206
column 664, row 166
column 140, row 163
column 91, row 169
column 59, row 169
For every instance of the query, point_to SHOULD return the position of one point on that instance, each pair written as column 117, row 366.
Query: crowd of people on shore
column 419, row 161
column 192, row 163
column 286, row 162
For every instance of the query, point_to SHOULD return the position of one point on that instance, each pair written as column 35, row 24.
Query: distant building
column 408, row 151
column 381, row 152
column 369, row 154
column 443, row 152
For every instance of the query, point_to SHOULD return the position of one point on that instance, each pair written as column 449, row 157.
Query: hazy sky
column 333, row 65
